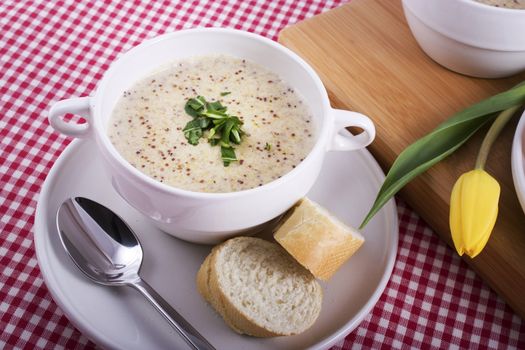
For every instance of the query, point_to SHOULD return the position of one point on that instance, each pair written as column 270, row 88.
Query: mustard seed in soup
column 146, row 125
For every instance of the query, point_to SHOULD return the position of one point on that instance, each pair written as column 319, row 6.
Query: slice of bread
column 259, row 289
column 317, row 239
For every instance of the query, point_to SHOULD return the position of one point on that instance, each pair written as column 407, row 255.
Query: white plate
column 518, row 161
column 120, row 318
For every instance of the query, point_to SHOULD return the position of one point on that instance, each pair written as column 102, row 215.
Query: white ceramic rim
column 471, row 42
column 517, row 165
column 91, row 333
column 488, row 7
column 322, row 133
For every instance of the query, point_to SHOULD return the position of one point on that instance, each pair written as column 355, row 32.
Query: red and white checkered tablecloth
column 51, row 50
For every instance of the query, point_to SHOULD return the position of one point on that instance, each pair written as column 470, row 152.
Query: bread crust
column 316, row 239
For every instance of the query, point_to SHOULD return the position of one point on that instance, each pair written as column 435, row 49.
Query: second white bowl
column 469, row 37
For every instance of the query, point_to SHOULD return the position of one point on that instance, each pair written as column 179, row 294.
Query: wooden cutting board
column 370, row 63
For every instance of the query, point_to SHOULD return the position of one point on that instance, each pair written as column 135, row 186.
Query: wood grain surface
column 370, row 63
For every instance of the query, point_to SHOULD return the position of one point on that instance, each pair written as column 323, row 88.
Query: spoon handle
column 194, row 339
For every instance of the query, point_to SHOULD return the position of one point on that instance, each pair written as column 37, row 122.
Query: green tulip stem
column 492, row 134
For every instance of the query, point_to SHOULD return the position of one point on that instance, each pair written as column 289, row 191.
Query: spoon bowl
column 107, row 251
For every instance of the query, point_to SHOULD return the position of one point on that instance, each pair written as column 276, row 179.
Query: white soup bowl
column 211, row 217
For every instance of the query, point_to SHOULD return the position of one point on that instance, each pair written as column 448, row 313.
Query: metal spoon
column 107, row 251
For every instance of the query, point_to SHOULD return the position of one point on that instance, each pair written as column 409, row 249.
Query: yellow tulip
column 473, row 211
column 475, row 196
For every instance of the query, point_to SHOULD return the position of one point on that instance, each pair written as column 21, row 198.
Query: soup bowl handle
column 344, row 140
column 78, row 106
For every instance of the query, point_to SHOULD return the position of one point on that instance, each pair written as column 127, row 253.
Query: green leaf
column 225, row 137
column 201, row 99
column 224, row 93
column 219, row 122
column 235, row 136
column 228, row 155
column 215, row 114
column 204, row 123
column 440, row 143
column 195, row 104
column 217, row 129
column 193, row 107
column 211, row 134
column 191, row 125
column 191, row 111
column 193, row 131
column 216, row 106
column 193, row 136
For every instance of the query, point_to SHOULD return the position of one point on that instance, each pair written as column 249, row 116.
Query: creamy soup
column 511, row 4
column 146, row 125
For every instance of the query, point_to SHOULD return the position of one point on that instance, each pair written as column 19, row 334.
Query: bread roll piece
column 259, row 289
column 317, row 239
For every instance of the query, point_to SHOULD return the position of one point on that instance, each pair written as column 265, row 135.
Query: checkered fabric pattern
column 51, row 50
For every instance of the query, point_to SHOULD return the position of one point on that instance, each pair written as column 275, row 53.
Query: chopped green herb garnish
column 225, row 93
column 222, row 128
column 216, row 106
column 236, row 137
column 214, row 114
column 195, row 105
column 268, row 146
column 193, row 131
column 228, row 155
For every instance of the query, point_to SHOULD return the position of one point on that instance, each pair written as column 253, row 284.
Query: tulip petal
column 455, row 216
column 478, row 247
column 473, row 211
column 482, row 191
